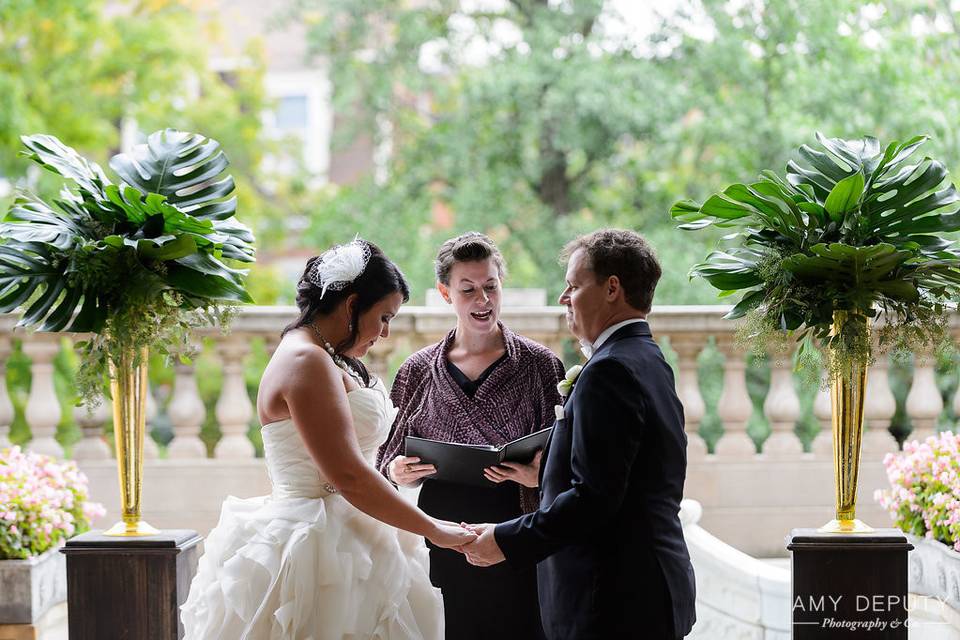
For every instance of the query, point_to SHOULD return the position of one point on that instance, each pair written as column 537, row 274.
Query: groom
column 612, row 559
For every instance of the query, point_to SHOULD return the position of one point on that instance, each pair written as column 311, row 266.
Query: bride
column 320, row 558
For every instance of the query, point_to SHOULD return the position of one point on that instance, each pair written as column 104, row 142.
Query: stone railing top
column 664, row 319
column 429, row 319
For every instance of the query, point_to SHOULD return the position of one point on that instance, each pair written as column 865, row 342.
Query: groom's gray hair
column 625, row 254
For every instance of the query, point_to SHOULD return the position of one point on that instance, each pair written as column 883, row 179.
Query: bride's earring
column 350, row 327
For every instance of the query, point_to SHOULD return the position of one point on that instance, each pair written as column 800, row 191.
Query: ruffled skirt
column 310, row 569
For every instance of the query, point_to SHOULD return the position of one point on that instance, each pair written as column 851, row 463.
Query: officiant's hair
column 471, row 246
column 380, row 278
column 625, row 254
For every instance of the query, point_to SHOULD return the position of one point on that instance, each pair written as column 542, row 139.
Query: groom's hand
column 484, row 551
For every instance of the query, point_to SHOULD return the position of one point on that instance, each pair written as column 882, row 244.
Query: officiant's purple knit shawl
column 517, row 398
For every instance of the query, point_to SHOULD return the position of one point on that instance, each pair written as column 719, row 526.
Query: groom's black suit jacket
column 612, row 559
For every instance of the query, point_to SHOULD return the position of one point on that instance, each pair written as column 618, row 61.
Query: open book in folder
column 464, row 463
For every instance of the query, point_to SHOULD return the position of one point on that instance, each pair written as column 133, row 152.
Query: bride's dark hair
column 380, row 278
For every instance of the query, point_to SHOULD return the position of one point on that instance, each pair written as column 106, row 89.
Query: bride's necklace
column 337, row 358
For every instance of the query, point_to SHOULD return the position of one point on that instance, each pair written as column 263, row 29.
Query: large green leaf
column 206, row 286
column 845, row 196
column 170, row 221
column 730, row 271
column 843, row 263
column 31, row 220
column 30, row 271
column 54, row 156
column 183, row 167
column 851, row 226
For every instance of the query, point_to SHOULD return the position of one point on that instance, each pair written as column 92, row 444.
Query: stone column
column 924, row 403
column 234, row 409
column 878, row 410
column 823, row 411
column 187, row 412
column 735, row 406
column 92, row 446
column 782, row 409
column 43, row 407
column 688, row 346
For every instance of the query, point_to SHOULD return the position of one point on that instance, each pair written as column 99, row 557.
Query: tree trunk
column 553, row 189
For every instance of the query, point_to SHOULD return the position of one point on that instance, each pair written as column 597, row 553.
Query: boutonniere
column 565, row 386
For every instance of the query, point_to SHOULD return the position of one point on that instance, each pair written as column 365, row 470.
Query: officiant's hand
column 484, row 551
column 406, row 471
column 526, row 474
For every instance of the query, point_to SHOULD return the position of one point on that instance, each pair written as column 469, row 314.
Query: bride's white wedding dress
column 303, row 563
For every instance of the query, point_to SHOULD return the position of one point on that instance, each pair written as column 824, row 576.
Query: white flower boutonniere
column 566, row 385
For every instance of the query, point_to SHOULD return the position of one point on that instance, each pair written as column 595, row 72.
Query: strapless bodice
column 294, row 474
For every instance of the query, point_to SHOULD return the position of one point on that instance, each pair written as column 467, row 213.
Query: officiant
column 481, row 385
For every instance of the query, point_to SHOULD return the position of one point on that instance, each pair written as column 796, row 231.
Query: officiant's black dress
column 514, row 397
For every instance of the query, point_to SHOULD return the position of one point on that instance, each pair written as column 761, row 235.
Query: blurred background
column 531, row 120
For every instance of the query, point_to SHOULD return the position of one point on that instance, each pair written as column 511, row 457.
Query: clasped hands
column 484, row 551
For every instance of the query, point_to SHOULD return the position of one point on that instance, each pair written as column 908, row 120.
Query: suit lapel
column 634, row 329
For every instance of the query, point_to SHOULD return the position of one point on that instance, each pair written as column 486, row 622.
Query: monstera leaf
column 74, row 262
column 32, row 271
column 183, row 167
column 850, row 227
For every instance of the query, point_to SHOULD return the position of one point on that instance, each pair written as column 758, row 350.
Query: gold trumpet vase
column 128, row 386
column 847, row 392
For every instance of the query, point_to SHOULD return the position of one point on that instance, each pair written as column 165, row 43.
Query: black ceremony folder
column 464, row 463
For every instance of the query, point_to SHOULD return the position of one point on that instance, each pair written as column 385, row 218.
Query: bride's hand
column 450, row 536
column 407, row 473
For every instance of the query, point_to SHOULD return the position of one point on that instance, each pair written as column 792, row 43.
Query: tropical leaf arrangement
column 852, row 227
column 137, row 262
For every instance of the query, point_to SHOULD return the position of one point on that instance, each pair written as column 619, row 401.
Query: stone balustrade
column 762, row 468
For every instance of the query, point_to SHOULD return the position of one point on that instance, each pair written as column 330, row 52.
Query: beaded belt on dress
column 324, row 490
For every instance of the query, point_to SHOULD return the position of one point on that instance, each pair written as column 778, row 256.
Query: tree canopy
column 535, row 120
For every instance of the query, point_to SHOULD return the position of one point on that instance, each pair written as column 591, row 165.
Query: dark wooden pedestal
column 849, row 586
column 129, row 588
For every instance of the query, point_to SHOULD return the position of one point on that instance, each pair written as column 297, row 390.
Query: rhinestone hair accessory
column 339, row 266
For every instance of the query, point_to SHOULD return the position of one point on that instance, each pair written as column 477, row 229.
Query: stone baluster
column 43, row 406
column 782, row 408
column 688, row 347
column 187, row 413
column 735, row 405
column 924, row 402
column 234, row 409
column 823, row 411
column 879, row 407
column 6, row 406
column 92, row 445
column 378, row 361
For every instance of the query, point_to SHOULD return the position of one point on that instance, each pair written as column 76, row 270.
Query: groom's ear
column 444, row 292
column 613, row 288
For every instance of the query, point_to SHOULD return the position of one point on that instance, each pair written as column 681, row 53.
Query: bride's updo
column 379, row 278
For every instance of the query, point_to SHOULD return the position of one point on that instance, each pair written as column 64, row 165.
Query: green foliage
column 136, row 263
column 94, row 73
column 851, row 232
